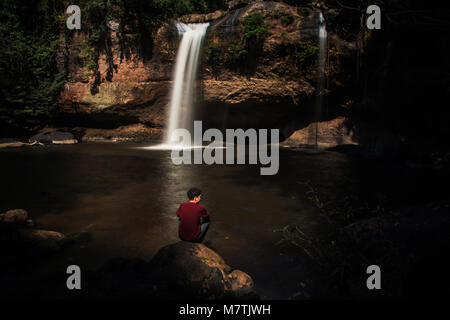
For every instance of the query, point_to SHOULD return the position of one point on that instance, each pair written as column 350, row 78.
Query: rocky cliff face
column 271, row 81
column 258, row 70
column 129, row 90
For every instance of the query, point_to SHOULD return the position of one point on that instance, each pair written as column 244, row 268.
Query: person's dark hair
column 193, row 192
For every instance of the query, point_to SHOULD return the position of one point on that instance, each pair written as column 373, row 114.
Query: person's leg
column 203, row 229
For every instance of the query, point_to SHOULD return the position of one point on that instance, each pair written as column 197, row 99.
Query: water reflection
column 126, row 198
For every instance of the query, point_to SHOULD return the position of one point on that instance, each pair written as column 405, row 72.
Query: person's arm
column 204, row 216
column 204, row 213
column 178, row 212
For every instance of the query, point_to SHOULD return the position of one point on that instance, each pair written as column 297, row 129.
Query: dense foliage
column 241, row 52
column 30, row 81
column 254, row 27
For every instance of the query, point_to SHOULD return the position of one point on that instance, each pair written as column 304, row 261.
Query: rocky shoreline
column 332, row 133
column 65, row 136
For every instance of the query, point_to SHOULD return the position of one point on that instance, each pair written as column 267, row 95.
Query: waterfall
column 183, row 87
column 230, row 23
column 321, row 73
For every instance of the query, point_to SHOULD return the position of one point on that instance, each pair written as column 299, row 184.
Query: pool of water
column 125, row 198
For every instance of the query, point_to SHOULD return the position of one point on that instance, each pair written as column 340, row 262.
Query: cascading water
column 320, row 75
column 188, row 56
column 230, row 24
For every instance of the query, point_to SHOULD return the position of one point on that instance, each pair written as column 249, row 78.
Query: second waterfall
column 186, row 67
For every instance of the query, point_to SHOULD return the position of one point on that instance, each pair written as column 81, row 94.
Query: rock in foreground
column 195, row 270
column 178, row 271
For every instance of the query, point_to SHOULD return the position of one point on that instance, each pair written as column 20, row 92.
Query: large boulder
column 178, row 271
column 194, row 270
column 55, row 137
column 329, row 133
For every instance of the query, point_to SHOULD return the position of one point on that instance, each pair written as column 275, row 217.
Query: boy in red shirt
column 193, row 217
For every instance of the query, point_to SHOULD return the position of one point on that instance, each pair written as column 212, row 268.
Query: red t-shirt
column 189, row 214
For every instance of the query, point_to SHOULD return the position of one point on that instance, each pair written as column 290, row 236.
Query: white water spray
column 188, row 56
column 321, row 73
column 322, row 27
column 230, row 23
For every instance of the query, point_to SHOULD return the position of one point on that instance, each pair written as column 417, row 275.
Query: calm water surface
column 126, row 198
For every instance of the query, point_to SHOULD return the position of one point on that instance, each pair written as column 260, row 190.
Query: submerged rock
column 19, row 239
column 45, row 241
column 14, row 216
